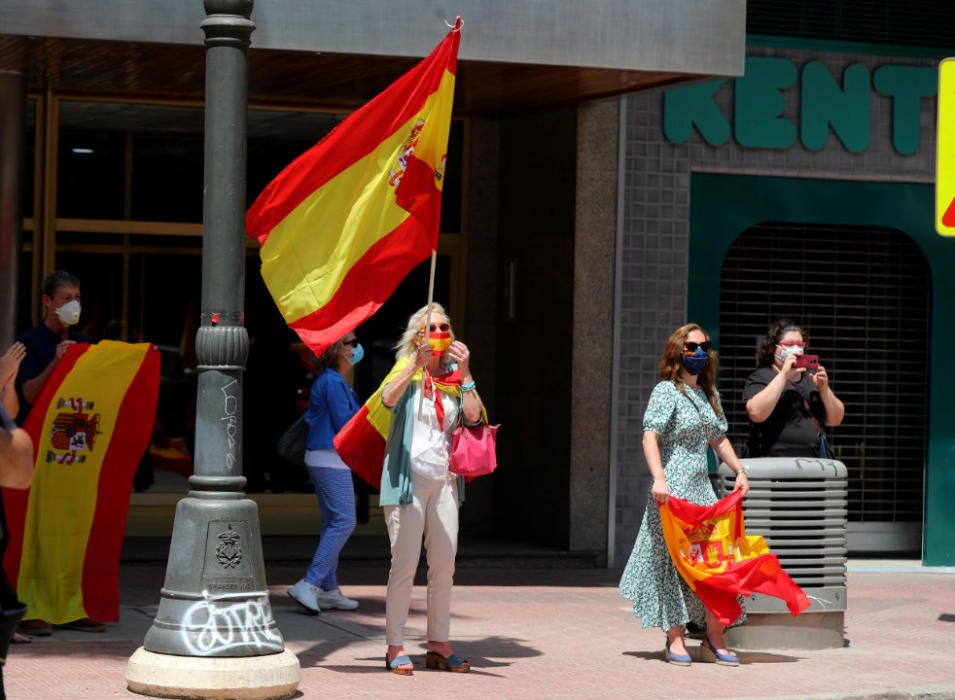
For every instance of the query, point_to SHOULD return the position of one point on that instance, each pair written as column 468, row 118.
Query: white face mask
column 783, row 352
column 69, row 313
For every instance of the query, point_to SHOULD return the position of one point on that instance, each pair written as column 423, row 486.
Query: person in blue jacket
column 331, row 404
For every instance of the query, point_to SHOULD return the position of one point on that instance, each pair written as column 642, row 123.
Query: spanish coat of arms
column 73, row 432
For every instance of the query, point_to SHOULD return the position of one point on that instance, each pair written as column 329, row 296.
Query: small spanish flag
column 90, row 426
column 348, row 219
column 718, row 560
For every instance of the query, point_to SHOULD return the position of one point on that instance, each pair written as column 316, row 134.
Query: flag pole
column 427, row 324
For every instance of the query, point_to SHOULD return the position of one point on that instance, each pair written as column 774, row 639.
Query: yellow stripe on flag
column 305, row 258
column 63, row 496
column 433, row 144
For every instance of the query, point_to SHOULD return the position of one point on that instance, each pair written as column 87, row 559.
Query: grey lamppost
column 214, row 629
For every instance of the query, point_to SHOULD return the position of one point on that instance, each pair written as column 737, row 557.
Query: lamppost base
column 270, row 677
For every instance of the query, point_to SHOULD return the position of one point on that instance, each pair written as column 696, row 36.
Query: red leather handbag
column 474, row 450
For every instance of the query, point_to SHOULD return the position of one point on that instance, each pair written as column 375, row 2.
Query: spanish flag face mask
column 439, row 338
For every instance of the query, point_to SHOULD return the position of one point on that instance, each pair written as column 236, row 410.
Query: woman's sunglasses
column 443, row 328
column 691, row 346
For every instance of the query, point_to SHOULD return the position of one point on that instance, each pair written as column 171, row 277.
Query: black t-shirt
column 41, row 345
column 790, row 430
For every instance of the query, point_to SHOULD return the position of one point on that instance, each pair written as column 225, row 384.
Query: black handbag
column 292, row 445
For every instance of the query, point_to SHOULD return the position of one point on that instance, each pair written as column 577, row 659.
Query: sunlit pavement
column 539, row 634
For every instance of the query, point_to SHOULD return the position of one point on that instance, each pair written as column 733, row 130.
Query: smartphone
column 808, row 362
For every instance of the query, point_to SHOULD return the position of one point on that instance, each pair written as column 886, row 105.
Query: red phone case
column 807, row 361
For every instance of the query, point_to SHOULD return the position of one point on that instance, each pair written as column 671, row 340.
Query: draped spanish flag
column 361, row 443
column 90, row 426
column 348, row 219
column 718, row 560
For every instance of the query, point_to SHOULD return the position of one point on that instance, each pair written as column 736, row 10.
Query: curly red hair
column 671, row 366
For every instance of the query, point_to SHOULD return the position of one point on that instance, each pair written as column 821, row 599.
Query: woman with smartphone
column 788, row 398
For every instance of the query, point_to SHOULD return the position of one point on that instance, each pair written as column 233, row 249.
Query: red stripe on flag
column 362, row 448
column 130, row 438
column 15, row 501
column 352, row 140
column 762, row 574
column 366, row 286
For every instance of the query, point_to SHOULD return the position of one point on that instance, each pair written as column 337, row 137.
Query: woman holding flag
column 683, row 417
column 428, row 392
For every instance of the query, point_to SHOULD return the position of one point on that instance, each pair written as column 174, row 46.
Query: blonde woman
column 430, row 387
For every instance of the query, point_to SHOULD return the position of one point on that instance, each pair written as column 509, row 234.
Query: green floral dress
column 686, row 423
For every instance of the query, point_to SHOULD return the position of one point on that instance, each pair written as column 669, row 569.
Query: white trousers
column 434, row 514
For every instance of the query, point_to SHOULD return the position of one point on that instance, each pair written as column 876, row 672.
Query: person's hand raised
column 10, row 362
column 789, row 369
column 423, row 357
column 820, row 378
column 462, row 356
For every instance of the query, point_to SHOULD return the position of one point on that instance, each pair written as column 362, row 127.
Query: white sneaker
column 335, row 599
column 306, row 595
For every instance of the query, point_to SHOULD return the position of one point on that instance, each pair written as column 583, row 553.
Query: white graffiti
column 218, row 623
column 230, row 408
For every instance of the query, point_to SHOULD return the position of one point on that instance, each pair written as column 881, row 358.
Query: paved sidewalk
column 537, row 634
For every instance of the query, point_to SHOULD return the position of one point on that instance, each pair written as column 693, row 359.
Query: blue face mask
column 696, row 363
column 357, row 354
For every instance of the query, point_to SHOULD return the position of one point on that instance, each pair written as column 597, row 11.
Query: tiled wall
column 656, row 235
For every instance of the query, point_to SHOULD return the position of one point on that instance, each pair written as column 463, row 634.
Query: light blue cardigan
column 396, row 489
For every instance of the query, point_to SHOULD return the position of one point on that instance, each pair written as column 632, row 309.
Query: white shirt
column 431, row 443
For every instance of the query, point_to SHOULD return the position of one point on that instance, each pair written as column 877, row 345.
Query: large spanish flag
column 361, row 443
column 718, row 560
column 90, row 426
column 345, row 222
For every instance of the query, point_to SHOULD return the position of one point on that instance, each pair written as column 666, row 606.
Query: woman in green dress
column 683, row 417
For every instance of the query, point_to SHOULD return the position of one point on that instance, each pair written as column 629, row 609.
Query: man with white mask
column 47, row 343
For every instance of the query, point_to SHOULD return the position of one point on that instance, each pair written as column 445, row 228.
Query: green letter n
column 845, row 108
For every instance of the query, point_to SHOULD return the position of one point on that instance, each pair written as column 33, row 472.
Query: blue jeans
column 336, row 498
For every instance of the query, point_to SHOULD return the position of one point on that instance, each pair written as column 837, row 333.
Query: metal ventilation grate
column 863, row 296
column 799, row 506
column 927, row 23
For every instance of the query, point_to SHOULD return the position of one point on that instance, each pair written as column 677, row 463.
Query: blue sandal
column 709, row 653
column 453, row 663
column 395, row 663
column 675, row 659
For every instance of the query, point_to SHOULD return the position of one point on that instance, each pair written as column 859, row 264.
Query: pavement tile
column 536, row 634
